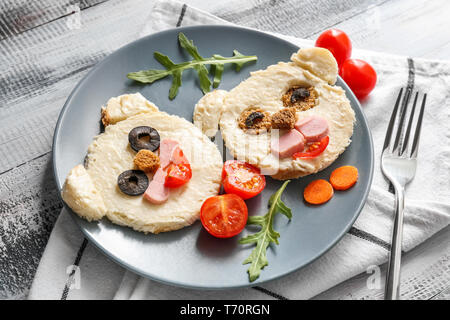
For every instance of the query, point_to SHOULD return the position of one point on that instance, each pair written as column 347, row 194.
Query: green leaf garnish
column 266, row 235
column 218, row 70
column 198, row 64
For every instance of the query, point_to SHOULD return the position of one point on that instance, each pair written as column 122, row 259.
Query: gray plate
column 191, row 257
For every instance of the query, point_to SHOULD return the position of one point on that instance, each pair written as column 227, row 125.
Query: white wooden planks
column 39, row 68
column 302, row 19
column 17, row 16
column 29, row 206
column 409, row 28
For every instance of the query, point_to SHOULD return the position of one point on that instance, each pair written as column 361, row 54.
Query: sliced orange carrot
column 344, row 177
column 318, row 192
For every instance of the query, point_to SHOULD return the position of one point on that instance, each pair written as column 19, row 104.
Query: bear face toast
column 93, row 191
column 304, row 86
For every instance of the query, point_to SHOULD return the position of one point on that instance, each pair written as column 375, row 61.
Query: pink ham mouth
column 157, row 192
column 288, row 144
column 313, row 128
column 307, row 130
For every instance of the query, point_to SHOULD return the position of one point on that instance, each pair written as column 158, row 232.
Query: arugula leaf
column 205, row 83
column 164, row 60
column 189, row 46
column 176, row 83
column 266, row 235
column 218, row 70
column 198, row 64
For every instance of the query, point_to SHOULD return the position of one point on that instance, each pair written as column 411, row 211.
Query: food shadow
column 209, row 245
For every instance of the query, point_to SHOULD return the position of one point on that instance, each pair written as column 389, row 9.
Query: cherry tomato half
column 312, row 150
column 338, row 43
column 179, row 170
column 242, row 179
column 178, row 156
column 177, row 175
column 360, row 77
column 224, row 216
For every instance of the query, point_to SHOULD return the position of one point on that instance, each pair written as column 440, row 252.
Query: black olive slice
column 133, row 182
column 144, row 138
column 252, row 118
column 299, row 94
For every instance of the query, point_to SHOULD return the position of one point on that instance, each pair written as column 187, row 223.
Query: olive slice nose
column 133, row 182
column 299, row 94
column 252, row 118
column 144, row 137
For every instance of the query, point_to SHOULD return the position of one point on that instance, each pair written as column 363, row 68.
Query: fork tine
column 408, row 130
column 387, row 139
column 403, row 110
column 415, row 145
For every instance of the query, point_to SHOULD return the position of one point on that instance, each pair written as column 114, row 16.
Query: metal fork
column 398, row 163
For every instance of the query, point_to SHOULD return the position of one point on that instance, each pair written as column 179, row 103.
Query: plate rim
column 133, row 269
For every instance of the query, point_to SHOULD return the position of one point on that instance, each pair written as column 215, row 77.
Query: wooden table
column 42, row 59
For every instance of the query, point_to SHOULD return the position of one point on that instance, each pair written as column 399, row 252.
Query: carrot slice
column 344, row 177
column 318, row 192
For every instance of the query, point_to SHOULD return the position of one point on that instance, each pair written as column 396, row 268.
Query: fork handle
column 393, row 271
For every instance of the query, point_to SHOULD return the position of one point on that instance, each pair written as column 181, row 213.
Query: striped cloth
column 72, row 268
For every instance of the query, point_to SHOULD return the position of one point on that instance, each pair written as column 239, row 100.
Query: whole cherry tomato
column 338, row 43
column 360, row 77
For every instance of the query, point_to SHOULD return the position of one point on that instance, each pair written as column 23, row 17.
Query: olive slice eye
column 144, row 137
column 133, row 182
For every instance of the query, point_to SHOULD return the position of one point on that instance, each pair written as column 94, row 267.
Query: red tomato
column 177, row 175
column 179, row 170
column 312, row 150
column 338, row 43
column 178, row 156
column 242, row 179
column 360, row 77
column 224, row 216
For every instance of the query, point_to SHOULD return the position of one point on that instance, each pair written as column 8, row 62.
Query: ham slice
column 156, row 192
column 313, row 128
column 288, row 144
column 166, row 148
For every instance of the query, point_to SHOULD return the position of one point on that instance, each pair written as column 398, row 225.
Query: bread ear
column 80, row 194
column 208, row 110
column 124, row 106
column 318, row 61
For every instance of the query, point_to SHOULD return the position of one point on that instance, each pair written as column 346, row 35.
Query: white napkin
column 72, row 268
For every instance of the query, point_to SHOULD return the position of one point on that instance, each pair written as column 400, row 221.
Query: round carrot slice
column 318, row 192
column 344, row 177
